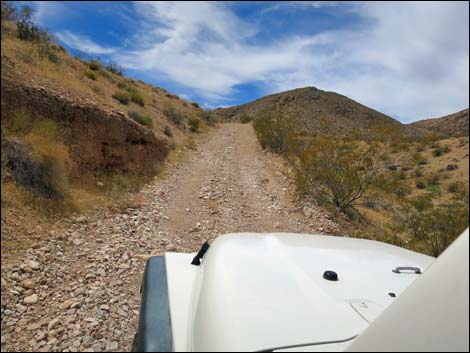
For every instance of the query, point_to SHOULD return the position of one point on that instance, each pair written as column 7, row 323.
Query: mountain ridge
column 323, row 112
column 451, row 125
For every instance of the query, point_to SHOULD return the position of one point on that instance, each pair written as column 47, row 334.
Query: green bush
column 194, row 104
column 95, row 65
column 90, row 74
column 337, row 173
column 245, row 119
column 28, row 31
column 173, row 115
column 141, row 119
column 137, row 98
column 48, row 52
column 276, row 133
column 122, row 97
column 122, row 85
column 193, row 124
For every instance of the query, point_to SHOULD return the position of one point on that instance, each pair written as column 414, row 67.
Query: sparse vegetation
column 173, row 115
column 275, row 133
column 140, row 118
column 439, row 151
column 351, row 176
column 95, row 65
column 137, row 98
column 90, row 74
column 37, row 160
column 193, row 124
column 122, row 97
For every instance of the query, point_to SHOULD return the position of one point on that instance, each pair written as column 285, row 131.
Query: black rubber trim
column 154, row 331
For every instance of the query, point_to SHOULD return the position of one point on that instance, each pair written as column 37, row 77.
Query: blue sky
column 409, row 60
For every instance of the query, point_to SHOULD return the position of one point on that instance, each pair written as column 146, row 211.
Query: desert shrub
column 193, row 124
column 433, row 180
column 412, row 216
column 420, row 185
column 29, row 171
column 336, row 173
column 402, row 190
column 114, row 68
column 172, row 96
column 444, row 224
column 122, row 97
column 207, row 117
column 21, row 121
column 194, row 104
column 48, row 52
column 392, row 167
column 419, row 159
column 423, row 162
column 451, row 167
column 122, row 85
column 245, row 119
column 141, row 119
column 90, row 74
column 8, row 12
column 420, row 149
column 95, row 65
column 137, row 98
column 406, row 168
column 167, row 131
column 276, row 133
column 439, row 151
column 419, row 173
column 456, row 187
column 173, row 115
column 37, row 161
column 28, row 31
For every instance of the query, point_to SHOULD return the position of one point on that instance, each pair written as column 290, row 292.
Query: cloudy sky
column 408, row 60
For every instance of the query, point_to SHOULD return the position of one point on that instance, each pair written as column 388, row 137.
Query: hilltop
column 320, row 112
column 452, row 125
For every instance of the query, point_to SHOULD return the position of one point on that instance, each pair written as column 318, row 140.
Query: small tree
column 338, row 174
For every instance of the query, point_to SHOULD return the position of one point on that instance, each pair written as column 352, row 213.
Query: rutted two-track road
column 79, row 290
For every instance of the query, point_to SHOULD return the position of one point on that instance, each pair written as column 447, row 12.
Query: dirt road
column 78, row 291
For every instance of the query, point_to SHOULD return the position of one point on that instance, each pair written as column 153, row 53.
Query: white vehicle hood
column 267, row 291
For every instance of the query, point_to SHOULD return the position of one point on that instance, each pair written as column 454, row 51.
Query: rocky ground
column 79, row 289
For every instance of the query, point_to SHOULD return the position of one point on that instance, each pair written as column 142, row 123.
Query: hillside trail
column 79, row 291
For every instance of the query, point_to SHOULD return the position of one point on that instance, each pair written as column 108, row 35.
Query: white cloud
column 412, row 63
column 83, row 43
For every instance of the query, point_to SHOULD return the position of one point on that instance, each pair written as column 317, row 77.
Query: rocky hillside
column 77, row 134
column 321, row 112
column 452, row 125
column 100, row 121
